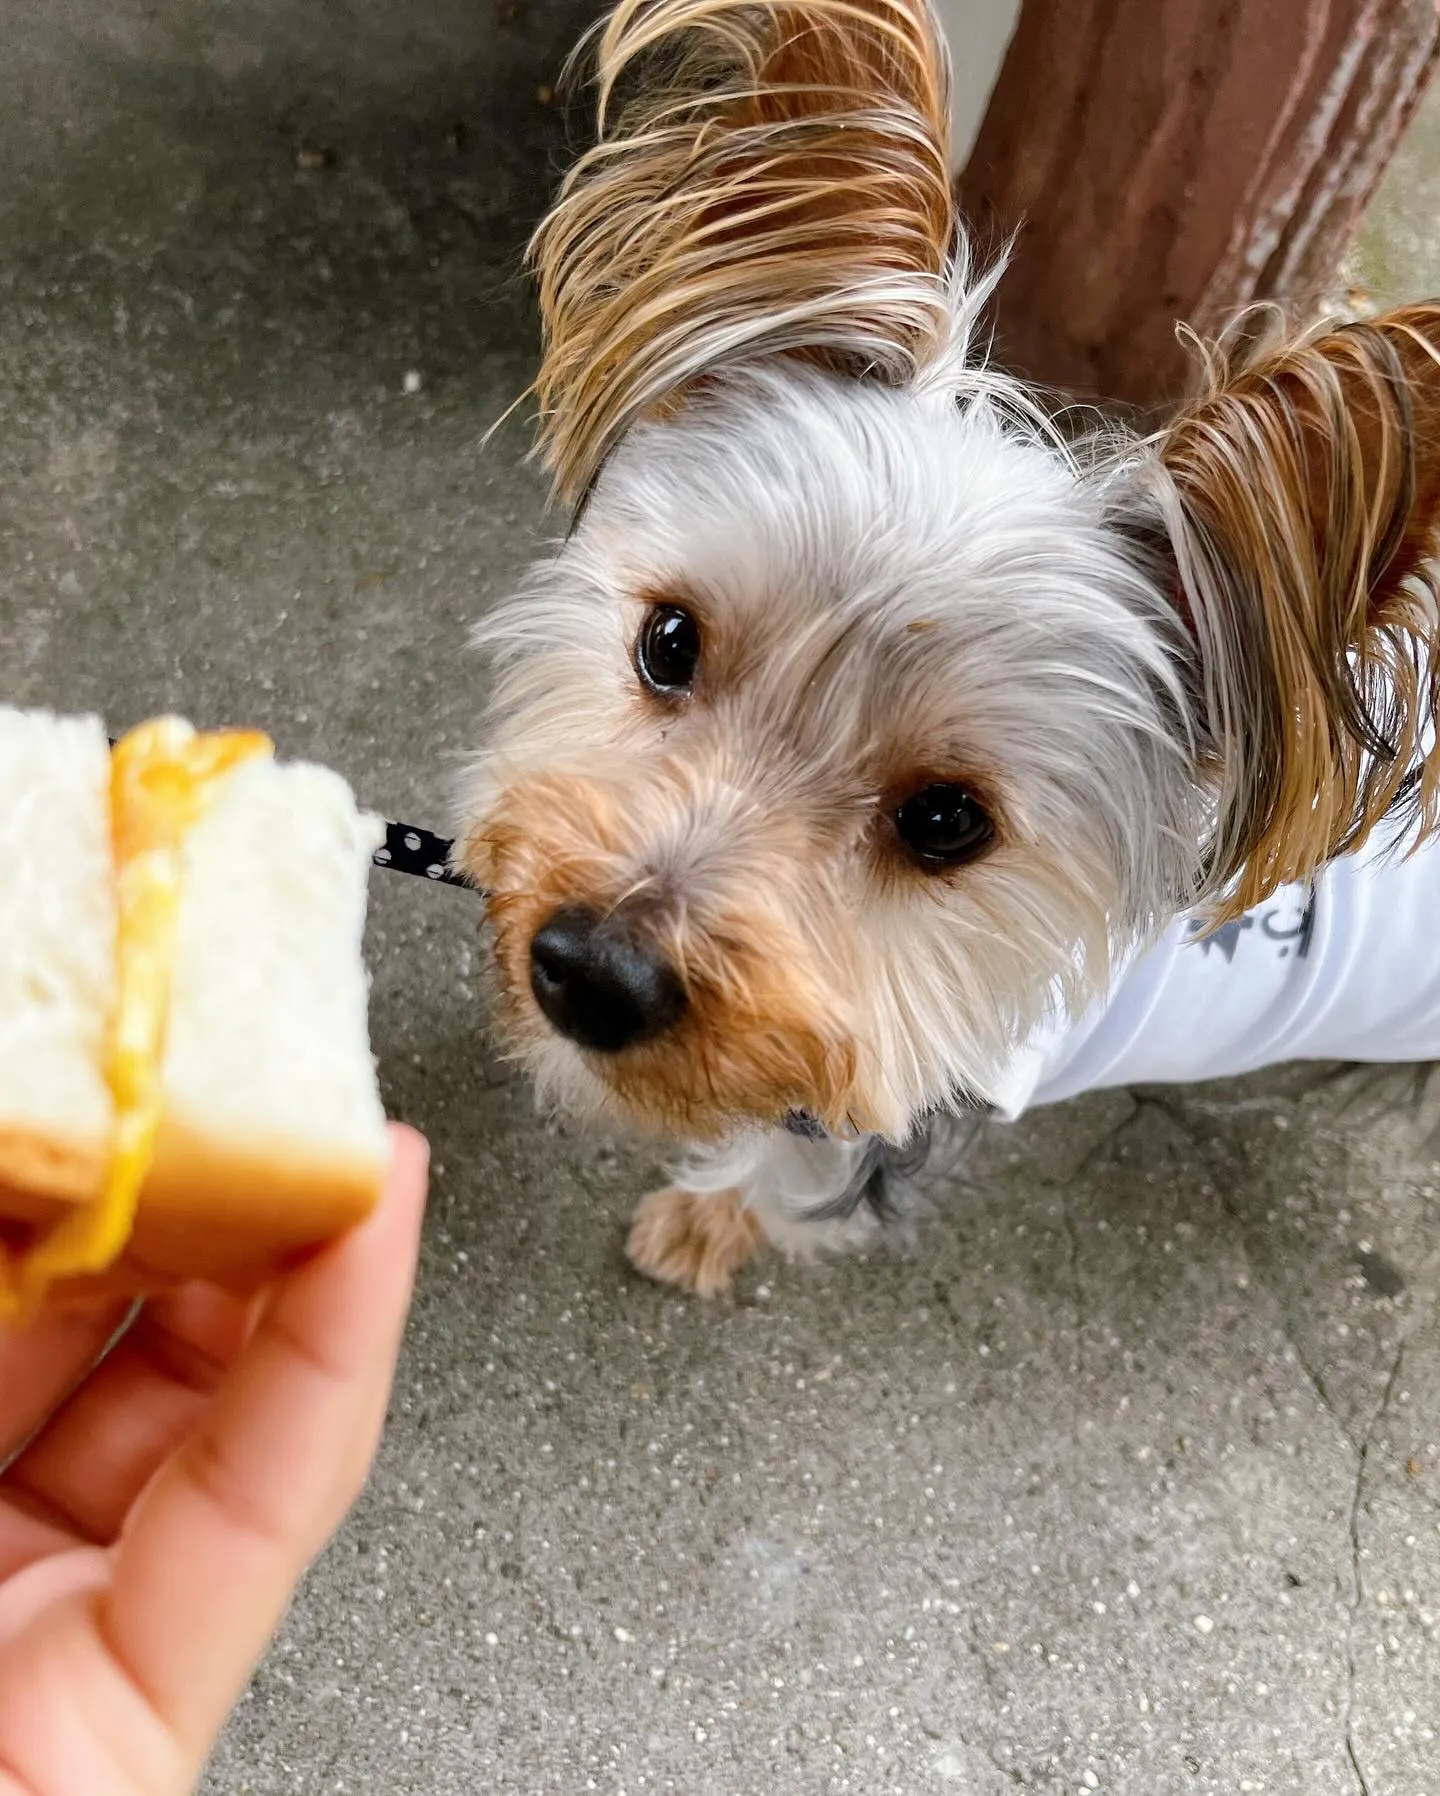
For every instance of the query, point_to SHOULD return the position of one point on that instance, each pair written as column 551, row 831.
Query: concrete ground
column 1128, row 1481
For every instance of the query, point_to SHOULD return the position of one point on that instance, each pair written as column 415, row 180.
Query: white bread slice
column 272, row 1135
column 57, row 958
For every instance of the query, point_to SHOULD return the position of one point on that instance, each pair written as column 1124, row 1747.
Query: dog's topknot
column 777, row 181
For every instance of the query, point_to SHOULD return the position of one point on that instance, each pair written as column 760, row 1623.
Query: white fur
column 785, row 1179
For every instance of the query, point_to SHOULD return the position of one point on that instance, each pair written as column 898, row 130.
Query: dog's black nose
column 601, row 985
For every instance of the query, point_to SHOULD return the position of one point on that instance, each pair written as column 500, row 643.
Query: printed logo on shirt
column 1281, row 925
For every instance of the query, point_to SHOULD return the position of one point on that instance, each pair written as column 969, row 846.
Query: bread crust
column 222, row 1209
column 209, row 1210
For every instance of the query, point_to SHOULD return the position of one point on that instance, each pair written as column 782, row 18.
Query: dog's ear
column 778, row 180
column 1301, row 499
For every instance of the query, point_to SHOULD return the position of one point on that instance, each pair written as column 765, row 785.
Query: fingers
column 84, row 1470
column 206, row 1566
column 40, row 1364
column 25, row 1598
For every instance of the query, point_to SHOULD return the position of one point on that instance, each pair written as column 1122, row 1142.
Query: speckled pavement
column 1127, row 1481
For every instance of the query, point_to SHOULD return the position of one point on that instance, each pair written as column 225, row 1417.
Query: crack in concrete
column 1357, row 1577
column 1072, row 1236
column 1229, row 1208
column 1093, row 1155
column 997, row 1695
column 1174, row 1113
column 1361, row 1448
column 1008, row 1772
column 1313, row 1375
column 987, row 1669
column 1355, row 1763
column 1100, row 1150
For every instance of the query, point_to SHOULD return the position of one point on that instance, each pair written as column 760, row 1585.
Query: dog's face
column 841, row 731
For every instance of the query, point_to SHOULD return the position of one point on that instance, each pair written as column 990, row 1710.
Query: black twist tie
column 410, row 849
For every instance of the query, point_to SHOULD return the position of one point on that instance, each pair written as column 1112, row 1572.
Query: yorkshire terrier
column 878, row 748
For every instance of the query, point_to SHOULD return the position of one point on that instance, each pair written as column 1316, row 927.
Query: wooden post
column 1172, row 161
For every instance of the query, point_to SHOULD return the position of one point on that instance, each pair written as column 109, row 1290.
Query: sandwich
column 186, row 1083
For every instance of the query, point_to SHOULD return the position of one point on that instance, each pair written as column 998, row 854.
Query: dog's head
column 860, row 718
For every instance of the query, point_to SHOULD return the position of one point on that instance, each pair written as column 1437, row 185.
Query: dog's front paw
column 697, row 1243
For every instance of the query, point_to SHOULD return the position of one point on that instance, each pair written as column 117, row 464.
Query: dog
column 876, row 747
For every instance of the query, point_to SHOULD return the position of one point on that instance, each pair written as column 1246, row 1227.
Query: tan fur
column 779, row 182
column 754, row 1038
column 696, row 1243
column 1308, row 478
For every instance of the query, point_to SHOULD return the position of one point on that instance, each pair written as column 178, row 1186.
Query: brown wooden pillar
column 1175, row 160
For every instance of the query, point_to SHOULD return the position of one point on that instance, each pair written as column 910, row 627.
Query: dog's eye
column 943, row 825
column 667, row 650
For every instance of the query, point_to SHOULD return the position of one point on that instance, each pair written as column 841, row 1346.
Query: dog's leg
column 697, row 1241
column 802, row 1196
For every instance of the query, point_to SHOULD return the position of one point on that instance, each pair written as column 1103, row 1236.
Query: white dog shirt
column 1348, row 969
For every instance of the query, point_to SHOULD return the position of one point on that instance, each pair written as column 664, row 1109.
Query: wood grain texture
column 1169, row 161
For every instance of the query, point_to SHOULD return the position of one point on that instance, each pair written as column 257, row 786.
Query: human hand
column 153, row 1530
